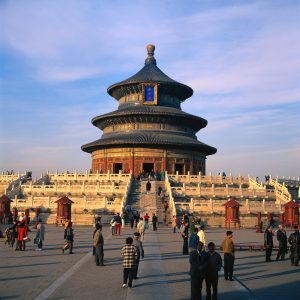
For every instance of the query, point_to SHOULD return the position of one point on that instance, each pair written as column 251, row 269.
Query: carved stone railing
column 227, row 191
column 10, row 178
column 210, row 179
column 254, row 184
column 172, row 206
column 57, row 188
column 56, row 177
column 282, row 193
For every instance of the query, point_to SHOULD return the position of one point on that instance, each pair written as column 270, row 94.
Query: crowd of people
column 17, row 233
column 205, row 261
column 283, row 240
column 157, row 176
column 206, row 264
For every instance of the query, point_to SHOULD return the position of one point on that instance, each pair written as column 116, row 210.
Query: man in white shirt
column 201, row 234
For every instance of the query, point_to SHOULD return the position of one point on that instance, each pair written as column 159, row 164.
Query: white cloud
column 235, row 57
column 63, row 74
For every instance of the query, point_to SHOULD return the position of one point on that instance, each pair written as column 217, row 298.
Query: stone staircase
column 45, row 179
column 133, row 199
column 160, row 203
column 150, row 202
column 14, row 188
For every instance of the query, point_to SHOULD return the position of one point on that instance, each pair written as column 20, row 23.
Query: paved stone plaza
column 50, row 274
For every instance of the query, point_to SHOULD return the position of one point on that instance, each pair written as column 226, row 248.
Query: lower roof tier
column 149, row 139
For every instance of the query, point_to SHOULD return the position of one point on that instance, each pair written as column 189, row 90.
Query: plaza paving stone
column 50, row 274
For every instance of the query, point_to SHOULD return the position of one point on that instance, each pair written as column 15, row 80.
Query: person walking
column 123, row 219
column 69, row 239
column 174, row 224
column 66, row 225
column 148, row 186
column 131, row 219
column 13, row 233
column 214, row 266
column 202, row 235
column 282, row 239
column 113, row 226
column 22, row 234
column 139, row 245
column 98, row 243
column 154, row 222
column 184, row 231
column 118, row 221
column 294, row 241
column 268, row 242
column 40, row 235
column 199, row 262
column 141, row 229
column 137, row 218
column 130, row 255
column 229, row 255
column 146, row 221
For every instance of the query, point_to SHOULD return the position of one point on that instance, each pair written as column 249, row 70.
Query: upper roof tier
column 150, row 73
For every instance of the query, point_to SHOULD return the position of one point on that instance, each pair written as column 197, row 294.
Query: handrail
column 281, row 192
column 254, row 184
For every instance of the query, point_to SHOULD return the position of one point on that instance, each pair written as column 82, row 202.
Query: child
column 113, row 226
column 7, row 236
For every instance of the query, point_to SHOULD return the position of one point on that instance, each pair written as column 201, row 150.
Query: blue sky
column 242, row 59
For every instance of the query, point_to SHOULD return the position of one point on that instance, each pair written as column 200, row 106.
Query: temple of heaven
column 149, row 131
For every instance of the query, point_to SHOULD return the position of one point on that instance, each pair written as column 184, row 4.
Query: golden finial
column 150, row 50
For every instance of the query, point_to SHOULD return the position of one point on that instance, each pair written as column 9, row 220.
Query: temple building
column 149, row 131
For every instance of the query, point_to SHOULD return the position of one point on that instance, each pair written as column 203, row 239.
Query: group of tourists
column 116, row 223
column 18, row 234
column 283, row 240
column 157, row 176
column 204, row 265
column 205, row 261
column 132, row 252
column 141, row 223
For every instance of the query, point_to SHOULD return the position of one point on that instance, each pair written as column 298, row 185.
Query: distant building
column 149, row 131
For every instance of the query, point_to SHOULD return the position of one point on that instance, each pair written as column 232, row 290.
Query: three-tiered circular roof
column 140, row 113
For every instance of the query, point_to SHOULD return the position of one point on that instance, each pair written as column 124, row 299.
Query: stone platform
column 50, row 274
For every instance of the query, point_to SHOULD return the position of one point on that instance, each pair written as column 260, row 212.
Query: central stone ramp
column 149, row 202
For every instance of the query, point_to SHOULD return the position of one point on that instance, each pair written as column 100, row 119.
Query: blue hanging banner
column 149, row 93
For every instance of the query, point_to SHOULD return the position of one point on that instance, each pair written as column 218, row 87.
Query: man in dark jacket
column 148, row 186
column 131, row 219
column 294, row 241
column 268, row 242
column 98, row 243
column 138, row 244
column 69, row 239
column 193, row 240
column 199, row 262
column 282, row 239
column 214, row 266
column 154, row 222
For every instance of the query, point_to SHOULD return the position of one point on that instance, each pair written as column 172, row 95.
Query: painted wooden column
column 105, row 161
column 131, row 163
column 165, row 160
